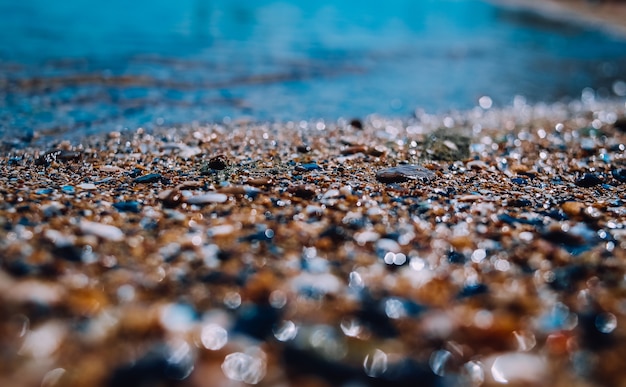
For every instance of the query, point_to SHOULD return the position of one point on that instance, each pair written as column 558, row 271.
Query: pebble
column 207, row 198
column 573, row 209
column 619, row 174
column 87, row 186
column 404, row 173
column 149, row 178
column 588, row 180
column 129, row 206
column 218, row 163
column 104, row 231
column 326, row 277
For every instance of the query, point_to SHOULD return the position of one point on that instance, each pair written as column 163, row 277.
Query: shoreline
column 607, row 16
column 443, row 249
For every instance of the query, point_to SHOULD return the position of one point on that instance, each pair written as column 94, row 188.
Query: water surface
column 79, row 66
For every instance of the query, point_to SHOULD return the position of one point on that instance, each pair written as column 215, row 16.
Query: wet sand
column 474, row 248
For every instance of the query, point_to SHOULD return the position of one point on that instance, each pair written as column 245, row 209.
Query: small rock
column 303, row 148
column 447, row 145
column 129, row 206
column 57, row 155
column 302, row 191
column 207, row 198
column 477, row 164
column 150, row 178
column 588, row 180
column 103, row 231
column 260, row 182
column 620, row 124
column 87, row 186
column 350, row 150
column 356, row 123
column 404, row 173
column 619, row 174
column 171, row 198
column 308, row 167
column 218, row 163
column 377, row 151
column 573, row 209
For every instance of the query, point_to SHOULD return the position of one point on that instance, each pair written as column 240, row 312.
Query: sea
column 81, row 67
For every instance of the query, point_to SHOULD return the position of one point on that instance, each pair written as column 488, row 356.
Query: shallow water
column 79, row 67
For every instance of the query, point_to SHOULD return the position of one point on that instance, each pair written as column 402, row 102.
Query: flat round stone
column 403, row 173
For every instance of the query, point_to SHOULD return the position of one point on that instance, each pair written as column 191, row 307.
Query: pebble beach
column 475, row 248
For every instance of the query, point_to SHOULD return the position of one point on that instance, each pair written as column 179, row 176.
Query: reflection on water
column 90, row 66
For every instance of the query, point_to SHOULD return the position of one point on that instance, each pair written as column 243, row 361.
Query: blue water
column 83, row 66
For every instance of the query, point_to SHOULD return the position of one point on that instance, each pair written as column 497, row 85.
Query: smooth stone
column 619, row 174
column 150, row 178
column 207, row 198
column 130, row 206
column 218, row 163
column 103, row 231
column 403, row 173
column 87, row 186
column 588, row 180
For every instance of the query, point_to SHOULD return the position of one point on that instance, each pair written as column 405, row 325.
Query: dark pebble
column 336, row 233
column 588, row 180
column 68, row 252
column 303, row 149
column 563, row 238
column 150, row 178
column 520, row 203
column 506, row 218
column 473, row 290
column 171, row 198
column 404, row 173
column 456, row 257
column 372, row 314
column 44, row 191
column 160, row 366
column 130, row 206
column 218, row 163
column 620, row 124
column 519, row 181
column 356, row 123
column 565, row 278
column 19, row 268
column 302, row 191
column 592, row 338
column 256, row 321
column 135, row 173
column 57, row 155
column 619, row 174
column 302, row 361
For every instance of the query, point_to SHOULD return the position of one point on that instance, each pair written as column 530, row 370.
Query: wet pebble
column 149, row 178
column 161, row 365
column 218, row 163
column 57, row 155
column 103, row 231
column 207, row 198
column 588, row 180
column 302, row 191
column 404, row 173
column 303, row 149
column 129, row 206
column 307, row 167
column 619, row 174
column 356, row 123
